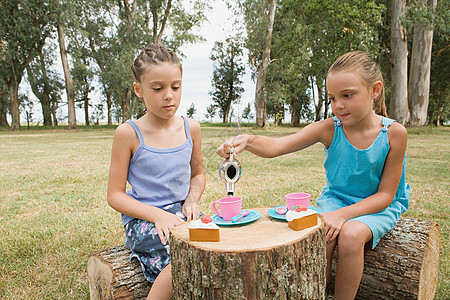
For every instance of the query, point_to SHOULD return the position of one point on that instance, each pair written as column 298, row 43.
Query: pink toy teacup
column 228, row 206
column 296, row 199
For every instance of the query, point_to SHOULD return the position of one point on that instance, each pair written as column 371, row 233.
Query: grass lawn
column 53, row 209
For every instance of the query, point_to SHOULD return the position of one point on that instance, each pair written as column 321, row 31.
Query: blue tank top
column 159, row 177
column 354, row 174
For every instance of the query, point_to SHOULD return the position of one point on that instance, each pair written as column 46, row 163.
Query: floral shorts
column 143, row 240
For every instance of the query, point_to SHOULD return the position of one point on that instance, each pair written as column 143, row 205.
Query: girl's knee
column 353, row 237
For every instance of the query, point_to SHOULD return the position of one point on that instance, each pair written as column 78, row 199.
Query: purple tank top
column 159, row 177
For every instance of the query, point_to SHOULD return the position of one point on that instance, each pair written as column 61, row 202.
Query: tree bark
column 109, row 105
column 86, row 107
column 260, row 103
column 3, row 112
column 13, row 87
column 70, row 84
column 261, row 260
column 295, row 118
column 419, row 76
column 126, row 97
column 113, row 276
column 399, row 49
column 404, row 264
column 44, row 96
column 319, row 100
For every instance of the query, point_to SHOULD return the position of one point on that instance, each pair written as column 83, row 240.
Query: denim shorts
column 143, row 240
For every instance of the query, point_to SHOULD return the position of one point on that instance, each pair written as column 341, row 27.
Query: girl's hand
column 334, row 223
column 165, row 221
column 238, row 143
column 190, row 210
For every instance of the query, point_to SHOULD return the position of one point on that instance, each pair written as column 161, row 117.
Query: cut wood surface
column 261, row 260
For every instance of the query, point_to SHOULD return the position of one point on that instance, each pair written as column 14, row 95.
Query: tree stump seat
column 404, row 265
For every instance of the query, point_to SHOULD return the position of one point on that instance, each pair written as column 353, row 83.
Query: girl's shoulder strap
column 337, row 122
column 186, row 127
column 138, row 132
column 386, row 122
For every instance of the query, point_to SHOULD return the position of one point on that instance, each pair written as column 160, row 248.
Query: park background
column 53, row 178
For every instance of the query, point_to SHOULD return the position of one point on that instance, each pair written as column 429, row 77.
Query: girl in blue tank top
column 159, row 155
column 365, row 191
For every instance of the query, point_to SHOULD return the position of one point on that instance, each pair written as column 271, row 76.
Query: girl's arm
column 124, row 144
column 191, row 208
column 387, row 189
column 264, row 146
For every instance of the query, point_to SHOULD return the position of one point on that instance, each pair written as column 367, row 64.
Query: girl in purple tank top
column 364, row 162
column 159, row 155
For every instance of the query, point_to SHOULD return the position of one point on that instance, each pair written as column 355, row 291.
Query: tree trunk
column 72, row 118
column 295, row 118
column 44, row 97
column 399, row 49
column 319, row 101
column 109, row 105
column 86, row 107
column 13, row 88
column 325, row 106
column 54, row 107
column 419, row 76
column 46, row 110
column 225, row 116
column 261, row 260
column 113, row 276
column 126, row 97
column 260, row 103
column 403, row 266
column 3, row 118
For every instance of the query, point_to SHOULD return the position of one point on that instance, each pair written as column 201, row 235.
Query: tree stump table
column 261, row 260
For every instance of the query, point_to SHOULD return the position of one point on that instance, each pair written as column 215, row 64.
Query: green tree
column 247, row 113
column 83, row 77
column 64, row 15
column 210, row 111
column 24, row 27
column 3, row 101
column 168, row 22
column 259, row 18
column 287, row 81
column 191, row 111
column 228, row 70
column 308, row 37
column 46, row 86
column 439, row 107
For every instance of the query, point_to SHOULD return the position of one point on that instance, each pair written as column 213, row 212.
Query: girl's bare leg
column 352, row 238
column 162, row 287
column 330, row 251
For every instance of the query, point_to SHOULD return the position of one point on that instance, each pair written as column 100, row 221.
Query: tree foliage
column 24, row 28
column 104, row 36
column 191, row 111
column 228, row 70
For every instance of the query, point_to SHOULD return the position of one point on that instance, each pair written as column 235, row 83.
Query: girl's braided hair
column 154, row 54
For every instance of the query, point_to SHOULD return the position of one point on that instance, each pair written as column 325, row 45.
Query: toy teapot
column 230, row 172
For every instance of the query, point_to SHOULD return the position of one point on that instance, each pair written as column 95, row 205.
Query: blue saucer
column 273, row 213
column 252, row 216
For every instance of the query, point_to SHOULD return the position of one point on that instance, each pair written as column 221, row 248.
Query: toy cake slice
column 301, row 218
column 204, row 230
